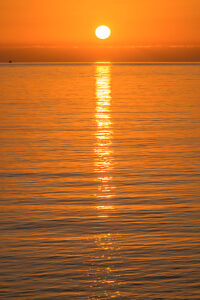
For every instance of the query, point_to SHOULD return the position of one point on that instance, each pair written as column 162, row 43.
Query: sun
column 103, row 32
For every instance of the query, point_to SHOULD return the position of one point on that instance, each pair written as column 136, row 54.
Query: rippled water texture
column 100, row 181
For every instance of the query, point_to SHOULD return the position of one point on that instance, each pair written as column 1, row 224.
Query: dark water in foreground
column 100, row 181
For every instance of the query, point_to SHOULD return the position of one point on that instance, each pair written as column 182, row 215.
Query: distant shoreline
column 99, row 63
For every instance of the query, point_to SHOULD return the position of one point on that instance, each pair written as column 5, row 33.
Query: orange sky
column 63, row 24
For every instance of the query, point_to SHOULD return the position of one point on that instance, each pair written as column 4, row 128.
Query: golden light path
column 106, row 246
column 104, row 160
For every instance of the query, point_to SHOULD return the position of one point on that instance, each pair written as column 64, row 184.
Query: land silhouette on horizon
column 112, row 54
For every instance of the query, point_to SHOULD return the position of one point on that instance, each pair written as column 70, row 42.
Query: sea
column 100, row 181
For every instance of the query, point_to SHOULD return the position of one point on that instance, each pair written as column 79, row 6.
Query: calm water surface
column 100, row 181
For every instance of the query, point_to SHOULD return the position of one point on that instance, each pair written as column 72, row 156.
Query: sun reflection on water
column 103, row 151
column 104, row 280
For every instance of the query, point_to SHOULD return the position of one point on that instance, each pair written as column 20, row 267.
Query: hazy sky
column 63, row 23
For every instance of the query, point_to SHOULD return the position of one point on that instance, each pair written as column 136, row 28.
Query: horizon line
column 99, row 62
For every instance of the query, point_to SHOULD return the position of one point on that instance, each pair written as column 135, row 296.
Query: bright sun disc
column 103, row 32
